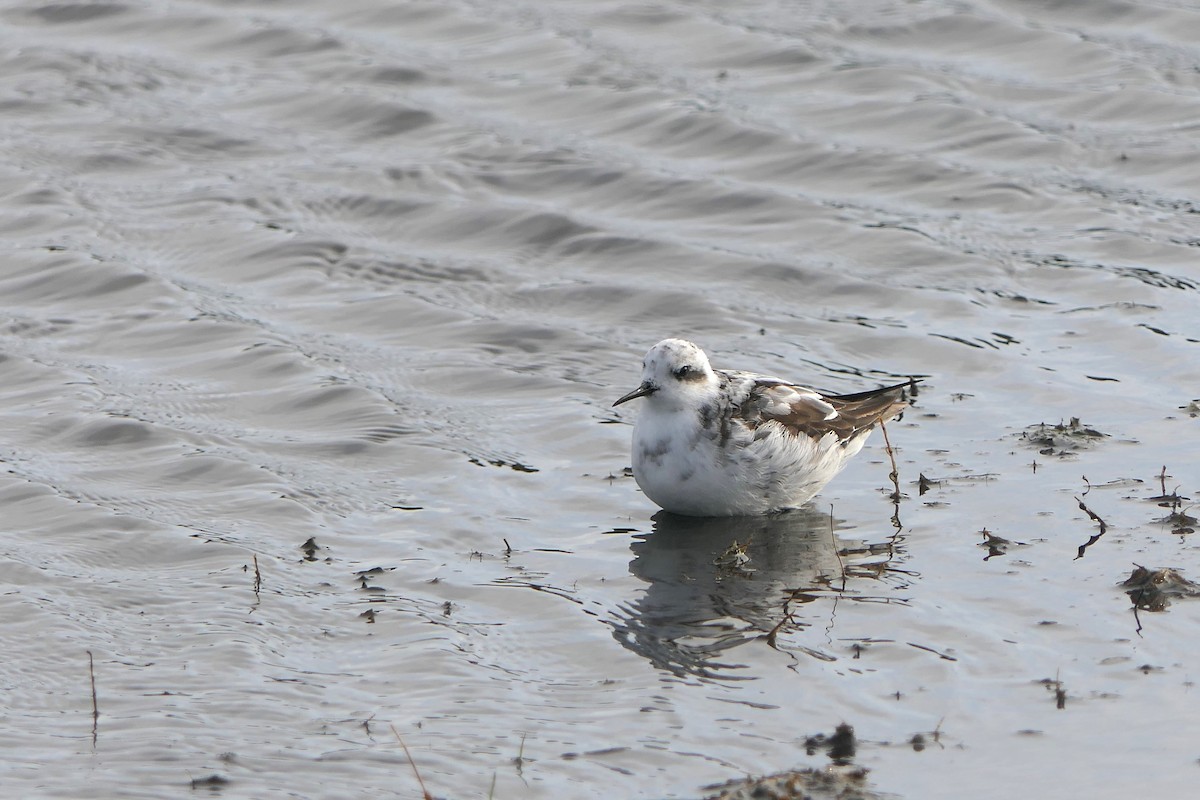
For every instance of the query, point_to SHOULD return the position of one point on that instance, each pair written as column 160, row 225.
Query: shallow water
column 346, row 291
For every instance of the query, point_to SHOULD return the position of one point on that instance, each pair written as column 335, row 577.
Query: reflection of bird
column 715, row 584
column 715, row 443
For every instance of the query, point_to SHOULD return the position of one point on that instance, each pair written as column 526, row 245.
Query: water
column 346, row 291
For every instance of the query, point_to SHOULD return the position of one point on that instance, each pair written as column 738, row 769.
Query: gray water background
column 351, row 272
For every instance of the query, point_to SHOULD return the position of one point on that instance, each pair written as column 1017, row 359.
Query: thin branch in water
column 929, row 649
column 774, row 632
column 895, row 477
column 95, row 705
column 519, row 761
column 833, row 608
column 1056, row 686
column 895, row 473
column 1095, row 518
column 837, row 551
column 425, row 795
column 257, row 577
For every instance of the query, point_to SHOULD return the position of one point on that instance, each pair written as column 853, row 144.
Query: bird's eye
column 682, row 372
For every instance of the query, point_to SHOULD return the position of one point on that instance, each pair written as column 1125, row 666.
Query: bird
column 724, row 443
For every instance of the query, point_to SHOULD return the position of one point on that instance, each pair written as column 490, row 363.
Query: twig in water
column 895, row 476
column 425, row 795
column 836, row 550
column 929, row 649
column 257, row 577
column 519, row 761
column 1095, row 518
column 95, row 705
column 1060, row 691
column 895, row 473
column 773, row 634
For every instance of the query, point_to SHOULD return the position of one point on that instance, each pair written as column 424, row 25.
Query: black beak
column 643, row 390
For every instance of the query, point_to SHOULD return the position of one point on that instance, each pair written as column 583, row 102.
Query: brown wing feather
column 810, row 416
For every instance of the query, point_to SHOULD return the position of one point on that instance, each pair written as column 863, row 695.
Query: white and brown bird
column 720, row 443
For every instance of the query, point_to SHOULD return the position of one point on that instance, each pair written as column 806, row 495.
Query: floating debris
column 500, row 462
column 925, row 484
column 1062, row 439
column 373, row 572
column 1115, row 483
column 310, row 549
column 997, row 545
column 841, row 746
column 1164, row 498
column 1059, row 691
column 837, row 783
column 735, row 558
column 1153, row 589
column 928, row 649
column 1180, row 521
column 841, row 781
column 213, row 782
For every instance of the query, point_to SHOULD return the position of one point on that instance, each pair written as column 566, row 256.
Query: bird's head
column 675, row 374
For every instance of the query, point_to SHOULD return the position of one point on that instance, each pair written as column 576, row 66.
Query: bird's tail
column 869, row 407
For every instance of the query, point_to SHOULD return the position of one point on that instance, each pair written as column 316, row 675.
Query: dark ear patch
column 688, row 373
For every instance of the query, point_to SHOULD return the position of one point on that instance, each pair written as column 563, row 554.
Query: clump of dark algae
column 1063, row 439
column 1154, row 589
column 841, row 780
column 835, row 783
column 841, row 745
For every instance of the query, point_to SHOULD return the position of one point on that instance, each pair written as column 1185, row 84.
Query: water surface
column 342, row 293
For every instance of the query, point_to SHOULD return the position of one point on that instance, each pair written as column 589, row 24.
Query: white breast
column 687, row 469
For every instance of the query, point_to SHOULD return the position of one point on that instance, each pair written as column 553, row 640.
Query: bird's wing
column 805, row 412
